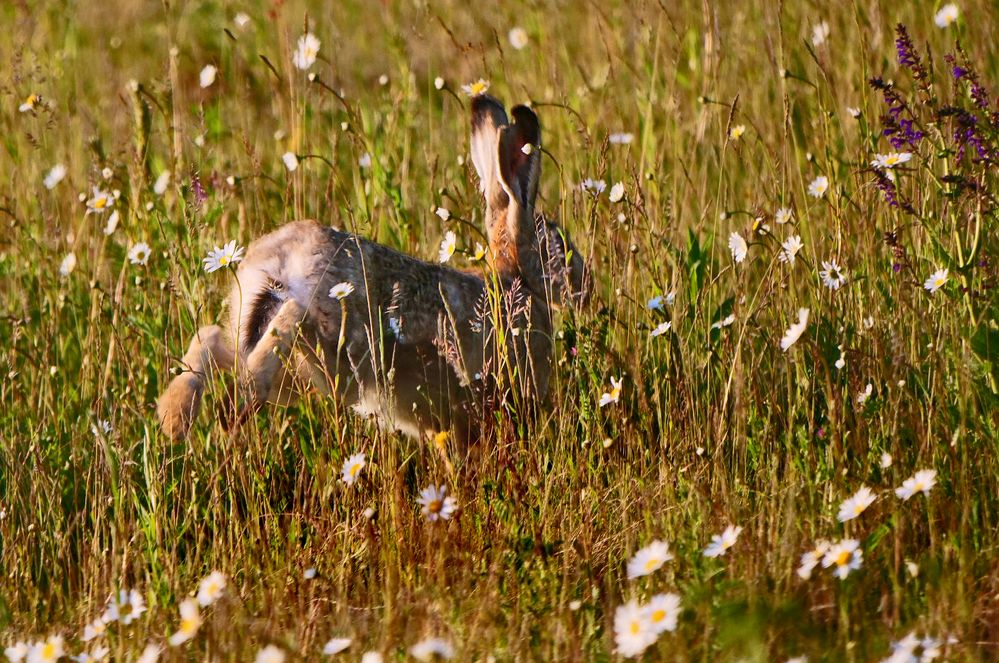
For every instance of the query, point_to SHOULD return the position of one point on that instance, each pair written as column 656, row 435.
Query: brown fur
column 416, row 343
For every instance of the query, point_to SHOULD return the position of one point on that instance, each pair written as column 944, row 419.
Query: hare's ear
column 519, row 156
column 488, row 118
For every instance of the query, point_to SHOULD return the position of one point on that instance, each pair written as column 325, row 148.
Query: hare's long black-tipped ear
column 519, row 157
column 488, row 118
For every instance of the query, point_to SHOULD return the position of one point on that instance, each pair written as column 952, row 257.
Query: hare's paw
column 179, row 405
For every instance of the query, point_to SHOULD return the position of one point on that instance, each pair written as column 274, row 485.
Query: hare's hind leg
column 180, row 403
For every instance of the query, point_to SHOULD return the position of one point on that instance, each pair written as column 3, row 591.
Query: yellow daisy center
column 478, row 87
column 858, row 509
column 224, row 260
column 354, row 469
column 100, row 203
column 652, row 564
column 635, row 628
column 658, row 615
column 48, row 651
column 843, row 558
column 435, row 506
column 188, row 625
column 440, row 439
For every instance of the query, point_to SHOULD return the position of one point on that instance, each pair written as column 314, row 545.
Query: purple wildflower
column 200, row 196
column 907, row 55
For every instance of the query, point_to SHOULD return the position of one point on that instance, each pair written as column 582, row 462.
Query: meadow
column 789, row 211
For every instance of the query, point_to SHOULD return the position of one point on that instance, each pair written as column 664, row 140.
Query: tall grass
column 715, row 424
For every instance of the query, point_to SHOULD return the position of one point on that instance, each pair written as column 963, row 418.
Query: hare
column 421, row 346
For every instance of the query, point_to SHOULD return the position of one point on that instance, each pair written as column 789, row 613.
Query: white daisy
column 54, row 176
column 227, row 255
column 913, row 649
column 480, row 86
column 724, row 322
column 661, row 329
column 352, row 468
column 795, row 331
column 720, row 543
column 947, row 15
column 434, row 505
column 270, row 654
column 864, row 395
column 100, row 201
column 139, row 253
column 16, row 652
column 190, row 622
column 126, row 607
column 789, row 249
column 737, row 245
column 430, row 649
column 590, row 185
column 620, row 138
column 98, row 653
column 922, row 482
column 846, row 556
column 663, row 611
column 290, row 161
column 890, row 160
column 306, row 51
column 365, row 161
column 853, row 111
column 856, row 504
column 443, row 212
column 439, row 83
column 936, row 280
column 207, row 76
column 633, row 630
column 49, row 650
column 447, row 247
column 480, row 252
column 518, row 37
column 162, row 182
column 614, row 395
column 210, row 588
column 820, row 32
column 29, row 103
column 812, row 558
column 341, row 290
column 818, row 187
column 67, row 265
column 371, row 657
column 112, row 223
column 94, row 629
column 336, row 645
column 783, row 215
column 649, row 559
column 833, row 276
column 616, row 193
column 886, row 460
column 150, row 654
column 736, row 132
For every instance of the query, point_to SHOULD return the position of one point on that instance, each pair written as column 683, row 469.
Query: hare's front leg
column 270, row 366
column 179, row 405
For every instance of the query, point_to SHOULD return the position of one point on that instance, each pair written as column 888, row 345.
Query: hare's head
column 507, row 158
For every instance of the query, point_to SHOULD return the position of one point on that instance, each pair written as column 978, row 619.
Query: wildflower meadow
column 770, row 431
